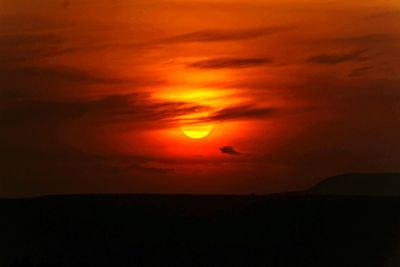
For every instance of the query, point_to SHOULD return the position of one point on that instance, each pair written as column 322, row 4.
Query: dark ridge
column 359, row 184
column 294, row 229
column 328, row 225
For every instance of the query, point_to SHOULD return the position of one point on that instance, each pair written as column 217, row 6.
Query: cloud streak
column 114, row 109
column 23, row 47
column 219, row 63
column 223, row 35
column 61, row 74
column 332, row 59
column 242, row 112
column 360, row 71
column 58, row 81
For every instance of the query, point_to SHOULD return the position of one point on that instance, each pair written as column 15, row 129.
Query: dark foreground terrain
column 157, row 230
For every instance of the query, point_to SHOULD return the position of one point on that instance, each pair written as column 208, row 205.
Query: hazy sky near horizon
column 94, row 94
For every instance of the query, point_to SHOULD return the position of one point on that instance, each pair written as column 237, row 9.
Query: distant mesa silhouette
column 359, row 184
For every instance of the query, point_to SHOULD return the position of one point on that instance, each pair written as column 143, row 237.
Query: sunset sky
column 102, row 96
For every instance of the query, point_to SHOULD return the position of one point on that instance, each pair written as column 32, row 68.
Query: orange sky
column 94, row 94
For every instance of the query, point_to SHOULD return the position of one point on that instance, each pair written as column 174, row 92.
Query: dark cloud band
column 219, row 63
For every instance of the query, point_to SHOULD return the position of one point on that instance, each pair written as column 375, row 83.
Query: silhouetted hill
column 184, row 230
column 360, row 184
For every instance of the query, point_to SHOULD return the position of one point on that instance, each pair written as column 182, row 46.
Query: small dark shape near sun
column 229, row 150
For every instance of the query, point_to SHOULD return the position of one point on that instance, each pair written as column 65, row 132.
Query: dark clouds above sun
column 93, row 94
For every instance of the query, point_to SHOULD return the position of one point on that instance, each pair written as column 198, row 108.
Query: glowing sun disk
column 197, row 131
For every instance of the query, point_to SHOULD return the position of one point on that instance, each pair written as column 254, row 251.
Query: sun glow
column 197, row 131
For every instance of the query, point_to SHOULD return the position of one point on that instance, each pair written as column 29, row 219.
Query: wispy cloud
column 55, row 81
column 332, row 59
column 61, row 74
column 360, row 71
column 242, row 112
column 372, row 38
column 113, row 109
column 393, row 13
column 22, row 47
column 222, row 35
column 219, row 63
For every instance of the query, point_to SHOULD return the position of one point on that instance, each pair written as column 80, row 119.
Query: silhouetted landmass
column 297, row 229
column 360, row 184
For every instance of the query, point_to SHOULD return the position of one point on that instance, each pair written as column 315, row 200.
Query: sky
column 190, row 96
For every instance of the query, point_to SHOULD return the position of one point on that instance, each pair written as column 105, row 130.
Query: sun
column 197, row 131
